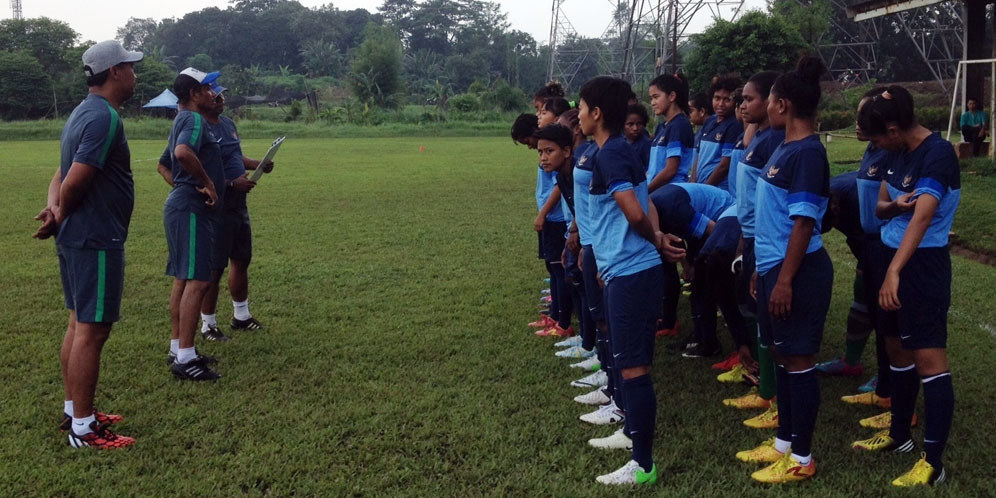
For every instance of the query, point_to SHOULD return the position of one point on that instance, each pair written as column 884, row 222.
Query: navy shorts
column 234, row 238
column 747, row 304
column 574, row 275
column 632, row 305
column 925, row 295
column 812, row 286
column 554, row 240
column 190, row 237
column 539, row 244
column 92, row 281
column 592, row 291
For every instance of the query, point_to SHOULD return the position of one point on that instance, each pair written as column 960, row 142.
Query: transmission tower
column 15, row 6
column 639, row 32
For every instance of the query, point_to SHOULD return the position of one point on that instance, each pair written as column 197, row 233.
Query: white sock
column 174, row 346
column 208, row 321
column 242, row 310
column 81, row 426
column 68, row 407
column 186, row 355
column 803, row 460
column 782, row 446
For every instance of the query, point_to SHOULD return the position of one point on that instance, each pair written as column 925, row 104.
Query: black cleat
column 196, row 369
column 702, row 350
column 213, row 333
column 250, row 324
column 208, row 360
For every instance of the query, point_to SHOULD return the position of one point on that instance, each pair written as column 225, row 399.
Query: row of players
column 614, row 220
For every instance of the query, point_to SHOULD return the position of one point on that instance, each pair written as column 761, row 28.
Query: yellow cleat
column 882, row 421
column 786, row 469
column 765, row 453
column 736, row 374
column 922, row 474
column 870, row 399
column 882, row 441
column 766, row 420
column 750, row 401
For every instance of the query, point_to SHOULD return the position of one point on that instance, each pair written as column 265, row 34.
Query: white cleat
column 596, row 398
column 597, row 379
column 570, row 342
column 617, row 441
column 631, row 473
column 590, row 365
column 604, row 415
column 576, row 353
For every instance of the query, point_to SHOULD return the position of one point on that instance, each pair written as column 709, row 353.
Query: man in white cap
column 89, row 207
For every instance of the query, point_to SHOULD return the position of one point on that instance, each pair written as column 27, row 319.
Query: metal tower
column 640, row 41
column 15, row 6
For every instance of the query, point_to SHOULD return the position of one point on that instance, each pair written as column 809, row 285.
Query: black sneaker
column 209, row 360
column 196, row 369
column 250, row 324
column 702, row 350
column 213, row 333
column 681, row 344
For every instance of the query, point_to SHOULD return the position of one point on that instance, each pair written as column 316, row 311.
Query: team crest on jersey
column 719, row 137
column 872, row 170
column 907, row 181
column 583, row 160
column 772, row 172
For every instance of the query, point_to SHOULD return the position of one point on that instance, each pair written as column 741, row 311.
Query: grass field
column 395, row 286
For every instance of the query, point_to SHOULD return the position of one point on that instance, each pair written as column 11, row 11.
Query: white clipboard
column 258, row 172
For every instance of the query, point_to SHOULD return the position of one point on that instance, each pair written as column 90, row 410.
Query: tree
column 755, row 42
column 47, row 40
column 204, row 62
column 20, row 81
column 376, row 71
column 152, row 77
column 321, row 58
column 810, row 18
column 138, row 34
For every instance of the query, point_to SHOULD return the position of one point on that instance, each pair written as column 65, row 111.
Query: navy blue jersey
column 583, row 160
column 844, row 188
column 565, row 180
column 755, row 158
column 795, row 182
column 736, row 155
column 716, row 140
column 94, row 135
column 619, row 249
column 642, row 149
column 231, row 156
column 874, row 164
column 930, row 169
column 673, row 139
column 686, row 209
column 190, row 129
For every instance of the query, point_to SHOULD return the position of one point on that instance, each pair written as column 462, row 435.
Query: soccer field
column 395, row 286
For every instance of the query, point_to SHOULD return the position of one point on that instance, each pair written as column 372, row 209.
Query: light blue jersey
column 716, row 140
column 544, row 186
column 749, row 171
column 930, row 169
column 619, row 249
column 795, row 182
column 736, row 155
column 674, row 139
column 584, row 158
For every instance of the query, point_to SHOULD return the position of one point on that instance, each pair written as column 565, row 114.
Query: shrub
column 465, row 102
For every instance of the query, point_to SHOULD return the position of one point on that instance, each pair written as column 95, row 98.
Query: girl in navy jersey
column 718, row 135
column 919, row 196
column 794, row 275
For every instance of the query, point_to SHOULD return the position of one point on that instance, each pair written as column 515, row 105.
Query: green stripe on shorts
column 101, row 285
column 192, row 257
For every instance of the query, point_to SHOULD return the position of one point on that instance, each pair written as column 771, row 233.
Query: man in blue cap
column 89, row 207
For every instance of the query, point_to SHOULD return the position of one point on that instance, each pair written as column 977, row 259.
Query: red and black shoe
column 101, row 438
column 101, row 417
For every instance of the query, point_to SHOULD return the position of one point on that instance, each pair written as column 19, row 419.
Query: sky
column 99, row 19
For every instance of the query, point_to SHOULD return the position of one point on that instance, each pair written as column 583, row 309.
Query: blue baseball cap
column 216, row 88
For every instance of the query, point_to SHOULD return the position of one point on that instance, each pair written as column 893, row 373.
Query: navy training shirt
column 795, row 182
column 874, row 164
column 94, row 135
column 673, row 139
column 755, row 158
column 930, row 169
column 190, row 129
column 716, row 140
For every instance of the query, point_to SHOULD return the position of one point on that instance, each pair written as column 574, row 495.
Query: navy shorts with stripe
column 592, row 290
column 632, row 305
column 812, row 286
column 925, row 296
column 190, row 237
column 233, row 239
column 92, row 282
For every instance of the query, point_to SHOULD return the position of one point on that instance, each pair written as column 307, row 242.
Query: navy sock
column 805, row 406
column 905, row 387
column 784, row 401
column 605, row 358
column 884, row 387
column 554, row 305
column 641, row 414
column 620, row 396
column 559, row 299
column 938, row 402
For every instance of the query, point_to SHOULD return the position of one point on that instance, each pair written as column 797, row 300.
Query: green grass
column 396, row 286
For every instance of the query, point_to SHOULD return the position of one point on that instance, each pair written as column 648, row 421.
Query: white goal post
column 960, row 83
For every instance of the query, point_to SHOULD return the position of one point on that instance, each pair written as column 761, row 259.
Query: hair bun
column 811, row 69
column 555, row 89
